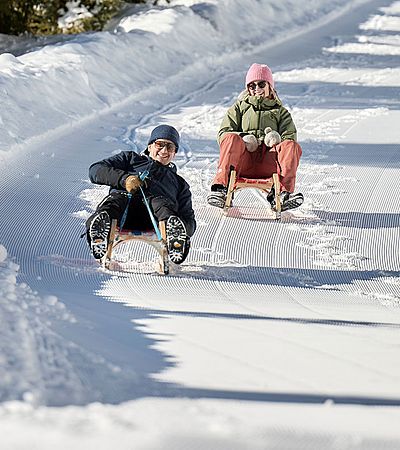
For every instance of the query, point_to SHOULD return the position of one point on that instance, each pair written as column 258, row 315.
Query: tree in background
column 86, row 15
column 57, row 16
column 14, row 15
column 44, row 17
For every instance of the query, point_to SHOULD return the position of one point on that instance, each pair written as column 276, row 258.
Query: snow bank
column 60, row 84
column 34, row 369
column 38, row 365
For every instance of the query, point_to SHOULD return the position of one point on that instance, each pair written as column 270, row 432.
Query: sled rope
column 153, row 220
column 142, row 176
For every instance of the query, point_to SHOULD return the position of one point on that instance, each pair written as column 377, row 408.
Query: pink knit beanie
column 259, row 72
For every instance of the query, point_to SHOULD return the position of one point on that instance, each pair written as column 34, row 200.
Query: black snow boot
column 99, row 233
column 288, row 200
column 218, row 196
column 178, row 242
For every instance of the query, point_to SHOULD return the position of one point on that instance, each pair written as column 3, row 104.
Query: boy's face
column 163, row 151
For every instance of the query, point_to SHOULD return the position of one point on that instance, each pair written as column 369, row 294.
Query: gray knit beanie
column 165, row 132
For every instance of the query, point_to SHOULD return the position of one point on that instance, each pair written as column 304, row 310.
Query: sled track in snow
column 233, row 246
column 233, row 241
column 254, row 293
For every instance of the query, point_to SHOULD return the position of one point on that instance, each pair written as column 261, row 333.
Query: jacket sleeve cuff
column 122, row 180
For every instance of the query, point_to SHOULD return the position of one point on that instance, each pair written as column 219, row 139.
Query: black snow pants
column 138, row 217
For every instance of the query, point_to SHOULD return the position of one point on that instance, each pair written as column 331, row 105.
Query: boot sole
column 217, row 201
column 292, row 203
column 176, row 239
column 99, row 233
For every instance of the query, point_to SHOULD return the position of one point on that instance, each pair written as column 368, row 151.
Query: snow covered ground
column 271, row 335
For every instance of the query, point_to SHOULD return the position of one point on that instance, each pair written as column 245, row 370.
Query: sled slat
column 118, row 236
column 236, row 183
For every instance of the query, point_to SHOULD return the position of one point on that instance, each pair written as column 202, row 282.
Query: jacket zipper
column 258, row 122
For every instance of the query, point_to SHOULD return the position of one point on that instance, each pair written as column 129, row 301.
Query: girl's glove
column 251, row 142
column 272, row 137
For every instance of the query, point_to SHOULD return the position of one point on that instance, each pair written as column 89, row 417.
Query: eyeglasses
column 254, row 84
column 170, row 146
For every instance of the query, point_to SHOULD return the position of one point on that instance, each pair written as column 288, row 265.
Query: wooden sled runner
column 235, row 183
column 150, row 237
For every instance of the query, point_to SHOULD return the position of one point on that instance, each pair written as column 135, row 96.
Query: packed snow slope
column 272, row 335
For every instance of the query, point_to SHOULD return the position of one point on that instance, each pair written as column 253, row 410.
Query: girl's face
column 259, row 88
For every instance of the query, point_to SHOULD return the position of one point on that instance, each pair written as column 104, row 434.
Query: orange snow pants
column 282, row 159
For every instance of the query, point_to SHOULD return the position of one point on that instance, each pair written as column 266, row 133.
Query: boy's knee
column 162, row 208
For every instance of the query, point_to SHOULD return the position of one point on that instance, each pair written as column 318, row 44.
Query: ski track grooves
column 249, row 266
column 147, row 119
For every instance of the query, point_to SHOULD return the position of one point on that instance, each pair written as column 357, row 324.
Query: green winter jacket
column 251, row 115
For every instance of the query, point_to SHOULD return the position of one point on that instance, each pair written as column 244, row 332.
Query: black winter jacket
column 162, row 181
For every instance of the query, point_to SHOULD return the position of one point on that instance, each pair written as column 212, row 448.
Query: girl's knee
column 291, row 146
column 232, row 137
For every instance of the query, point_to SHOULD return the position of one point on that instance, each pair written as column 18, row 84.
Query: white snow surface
column 271, row 335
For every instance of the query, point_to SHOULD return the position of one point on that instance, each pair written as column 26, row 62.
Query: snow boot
column 178, row 241
column 99, row 233
column 218, row 196
column 288, row 200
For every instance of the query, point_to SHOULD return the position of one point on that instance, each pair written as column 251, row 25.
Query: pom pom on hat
column 165, row 132
column 258, row 72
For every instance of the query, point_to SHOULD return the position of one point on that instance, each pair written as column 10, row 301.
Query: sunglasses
column 254, row 84
column 171, row 147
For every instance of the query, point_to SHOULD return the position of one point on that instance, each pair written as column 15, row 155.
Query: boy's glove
column 132, row 183
column 272, row 137
column 251, row 142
